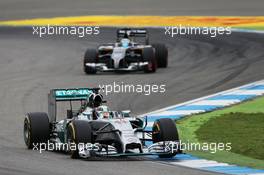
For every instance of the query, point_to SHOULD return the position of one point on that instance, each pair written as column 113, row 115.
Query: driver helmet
column 103, row 112
column 105, row 115
column 125, row 42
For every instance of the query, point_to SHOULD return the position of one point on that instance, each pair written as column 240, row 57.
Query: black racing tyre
column 36, row 129
column 149, row 56
column 79, row 132
column 89, row 57
column 165, row 130
column 161, row 54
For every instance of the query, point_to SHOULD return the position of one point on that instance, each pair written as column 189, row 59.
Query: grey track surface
column 21, row 9
column 30, row 66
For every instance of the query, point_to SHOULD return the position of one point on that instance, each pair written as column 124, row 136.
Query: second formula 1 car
column 94, row 130
column 126, row 54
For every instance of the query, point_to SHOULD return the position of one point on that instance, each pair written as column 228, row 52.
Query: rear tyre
column 36, row 129
column 89, row 57
column 161, row 54
column 79, row 132
column 149, row 56
column 165, row 130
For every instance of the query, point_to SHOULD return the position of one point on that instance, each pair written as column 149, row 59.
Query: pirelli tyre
column 149, row 56
column 161, row 54
column 36, row 129
column 165, row 130
column 89, row 57
column 79, row 132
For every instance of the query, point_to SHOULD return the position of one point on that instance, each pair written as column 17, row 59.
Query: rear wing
column 135, row 32
column 71, row 94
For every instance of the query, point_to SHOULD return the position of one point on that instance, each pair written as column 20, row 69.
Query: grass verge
column 242, row 125
column 257, row 28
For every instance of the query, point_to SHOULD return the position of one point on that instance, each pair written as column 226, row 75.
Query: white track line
column 200, row 163
column 230, row 91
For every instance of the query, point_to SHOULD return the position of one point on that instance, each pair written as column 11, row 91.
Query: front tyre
column 79, row 132
column 161, row 54
column 149, row 56
column 36, row 129
column 165, row 130
column 89, row 57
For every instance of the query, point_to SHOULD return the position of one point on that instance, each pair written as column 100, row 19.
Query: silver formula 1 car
column 126, row 54
column 94, row 130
